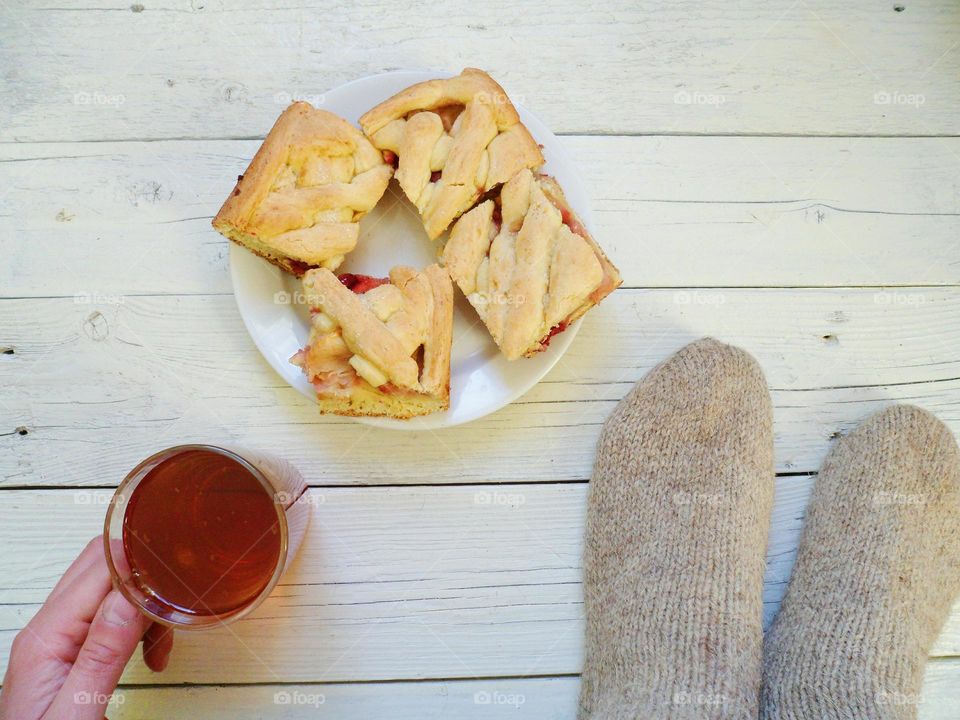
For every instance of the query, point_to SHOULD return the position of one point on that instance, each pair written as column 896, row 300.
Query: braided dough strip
column 482, row 147
column 460, row 90
column 362, row 331
column 300, row 199
column 385, row 351
column 535, row 273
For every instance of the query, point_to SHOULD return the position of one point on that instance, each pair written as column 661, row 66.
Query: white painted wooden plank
column 115, row 218
column 540, row 698
column 95, row 388
column 392, row 583
column 93, row 70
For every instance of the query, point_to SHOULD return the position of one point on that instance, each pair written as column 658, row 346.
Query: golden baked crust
column 466, row 129
column 531, row 271
column 299, row 202
column 384, row 351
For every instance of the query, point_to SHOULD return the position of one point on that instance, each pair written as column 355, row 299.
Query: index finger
column 114, row 634
column 74, row 601
column 89, row 556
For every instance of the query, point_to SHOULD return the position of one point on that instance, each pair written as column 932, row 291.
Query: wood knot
column 96, row 327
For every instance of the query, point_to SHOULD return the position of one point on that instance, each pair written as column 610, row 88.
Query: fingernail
column 117, row 610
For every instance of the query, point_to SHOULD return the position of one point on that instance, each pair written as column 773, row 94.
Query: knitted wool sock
column 676, row 538
column 878, row 566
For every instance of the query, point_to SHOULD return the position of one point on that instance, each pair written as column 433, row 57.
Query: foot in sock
column 877, row 569
column 676, row 538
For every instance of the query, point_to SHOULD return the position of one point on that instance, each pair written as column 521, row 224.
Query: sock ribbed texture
column 676, row 538
column 877, row 569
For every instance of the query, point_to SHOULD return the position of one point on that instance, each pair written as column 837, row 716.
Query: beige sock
column 676, row 538
column 877, row 569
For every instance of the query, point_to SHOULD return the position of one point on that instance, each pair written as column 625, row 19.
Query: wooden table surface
column 783, row 175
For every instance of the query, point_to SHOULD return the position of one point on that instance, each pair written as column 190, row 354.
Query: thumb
column 113, row 636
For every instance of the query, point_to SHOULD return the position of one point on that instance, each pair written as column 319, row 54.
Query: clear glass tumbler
column 197, row 536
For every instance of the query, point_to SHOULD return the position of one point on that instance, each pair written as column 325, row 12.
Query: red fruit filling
column 390, row 158
column 435, row 175
column 361, row 283
column 298, row 267
column 555, row 330
column 571, row 221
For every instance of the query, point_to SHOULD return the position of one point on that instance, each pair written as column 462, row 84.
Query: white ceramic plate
column 481, row 379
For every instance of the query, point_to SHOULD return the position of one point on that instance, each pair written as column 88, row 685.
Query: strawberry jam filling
column 298, row 267
column 390, row 158
column 435, row 175
column 361, row 283
column 555, row 330
column 571, row 221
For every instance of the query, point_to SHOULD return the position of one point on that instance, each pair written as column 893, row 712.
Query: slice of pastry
column 453, row 140
column 527, row 264
column 379, row 346
column 300, row 200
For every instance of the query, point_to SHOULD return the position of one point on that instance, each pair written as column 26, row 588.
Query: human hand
column 67, row 661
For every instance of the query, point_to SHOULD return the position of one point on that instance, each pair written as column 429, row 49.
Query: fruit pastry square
column 379, row 346
column 452, row 140
column 299, row 202
column 527, row 264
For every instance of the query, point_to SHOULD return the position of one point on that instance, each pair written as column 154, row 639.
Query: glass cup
column 188, row 511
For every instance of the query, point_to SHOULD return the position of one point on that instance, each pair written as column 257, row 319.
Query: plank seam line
column 390, row 681
column 933, row 659
column 353, row 486
column 867, row 387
